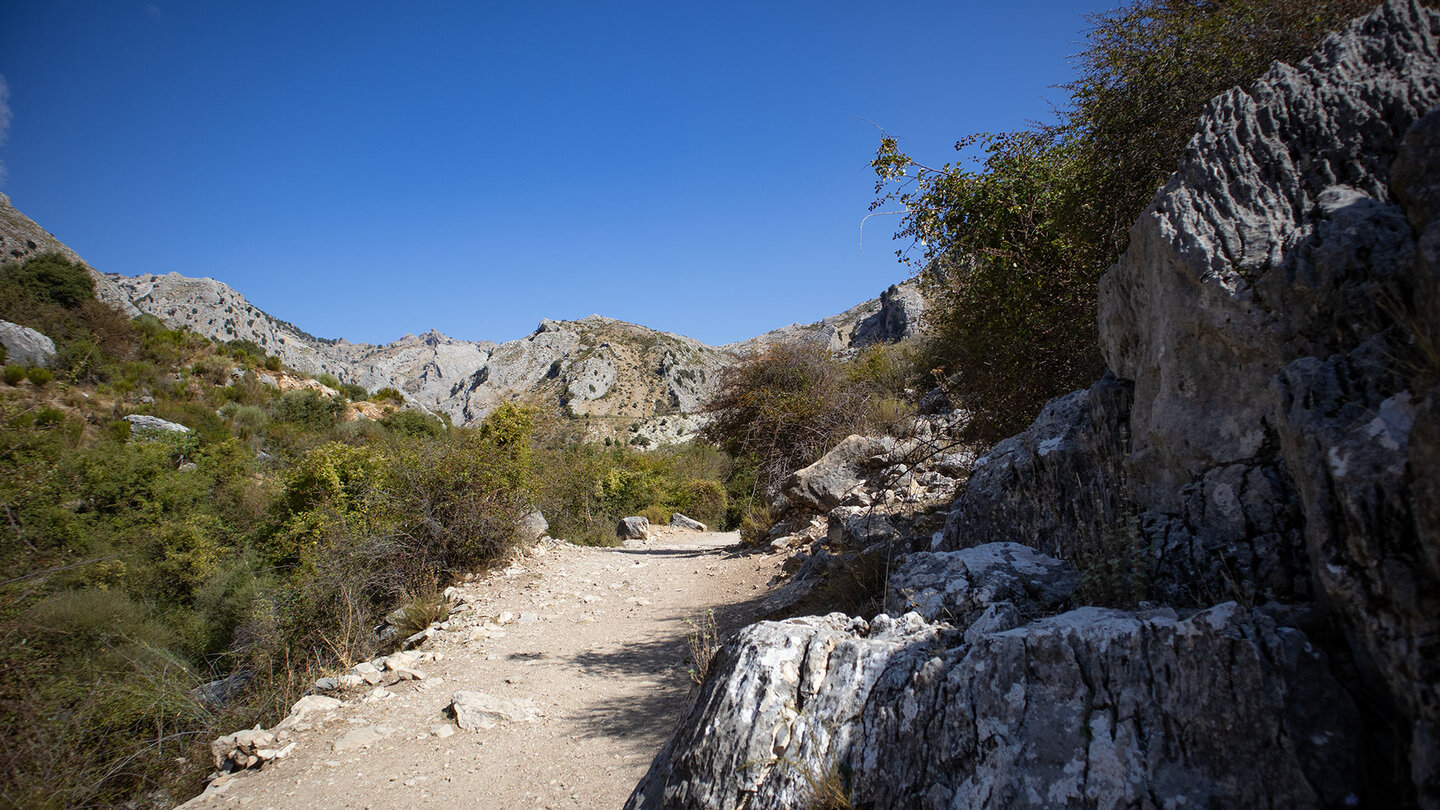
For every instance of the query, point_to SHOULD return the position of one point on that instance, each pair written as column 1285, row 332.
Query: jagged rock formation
column 892, row 317
column 629, row 382
column 1268, row 436
column 1272, row 326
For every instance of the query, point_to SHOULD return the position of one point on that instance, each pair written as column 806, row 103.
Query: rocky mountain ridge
column 626, row 380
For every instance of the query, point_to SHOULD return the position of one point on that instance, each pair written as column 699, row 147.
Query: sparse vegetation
column 703, row 638
column 1012, row 249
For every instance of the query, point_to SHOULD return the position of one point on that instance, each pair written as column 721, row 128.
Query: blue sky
column 473, row 167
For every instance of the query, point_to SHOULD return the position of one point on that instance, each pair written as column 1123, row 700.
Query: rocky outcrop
column 894, row 316
column 25, row 346
column 1270, row 431
column 995, row 584
column 1263, row 456
column 822, row 486
column 1094, row 707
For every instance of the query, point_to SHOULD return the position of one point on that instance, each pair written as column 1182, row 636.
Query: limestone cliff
column 1263, row 454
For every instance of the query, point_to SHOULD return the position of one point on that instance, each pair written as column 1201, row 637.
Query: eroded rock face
column 1094, row 707
column 1108, row 708
column 959, row 586
column 1270, row 430
column 1271, row 318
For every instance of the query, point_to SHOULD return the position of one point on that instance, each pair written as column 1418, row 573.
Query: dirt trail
column 597, row 642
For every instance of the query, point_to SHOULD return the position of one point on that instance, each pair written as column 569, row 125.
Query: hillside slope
column 629, row 381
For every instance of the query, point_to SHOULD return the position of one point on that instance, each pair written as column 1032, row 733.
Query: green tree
column 1012, row 238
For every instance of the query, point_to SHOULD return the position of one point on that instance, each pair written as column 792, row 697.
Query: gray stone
column 218, row 693
column 680, row 521
column 143, row 423
column 958, row 586
column 532, row 526
column 475, row 711
column 633, row 528
column 249, row 748
column 25, row 346
column 1091, row 708
column 822, row 486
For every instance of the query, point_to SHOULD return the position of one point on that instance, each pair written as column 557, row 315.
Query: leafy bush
column 50, row 278
column 412, row 423
column 1012, row 250
column 353, row 392
column 14, row 374
column 328, row 380
column 388, row 393
column 39, row 377
column 785, row 406
column 309, row 408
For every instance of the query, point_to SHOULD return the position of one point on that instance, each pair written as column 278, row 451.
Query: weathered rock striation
column 1265, row 450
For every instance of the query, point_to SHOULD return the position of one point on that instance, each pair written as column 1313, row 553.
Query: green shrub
column 353, row 392
column 39, row 377
column 390, row 394
column 213, row 369
column 412, row 423
column 272, row 363
column 309, row 409
column 14, row 374
column 656, row 514
column 1012, row 240
column 51, row 278
column 328, row 380
column 785, row 406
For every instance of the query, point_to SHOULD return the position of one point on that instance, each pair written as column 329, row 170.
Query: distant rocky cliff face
column 625, row 380
column 1264, row 455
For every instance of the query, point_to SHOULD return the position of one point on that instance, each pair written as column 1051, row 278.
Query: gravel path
column 593, row 639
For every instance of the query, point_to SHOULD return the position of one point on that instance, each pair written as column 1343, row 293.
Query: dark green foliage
column 308, row 408
column 412, row 423
column 50, row 278
column 1013, row 243
column 39, row 377
column 388, row 393
column 353, row 392
column 328, row 380
column 14, row 374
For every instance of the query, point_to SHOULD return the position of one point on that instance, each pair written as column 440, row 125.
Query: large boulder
column 532, row 526
column 680, row 521
column 821, row 486
column 25, row 346
column 633, row 528
column 1091, row 708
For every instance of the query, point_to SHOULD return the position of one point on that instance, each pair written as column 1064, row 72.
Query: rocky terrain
column 550, row 684
column 629, row 382
column 1212, row 579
